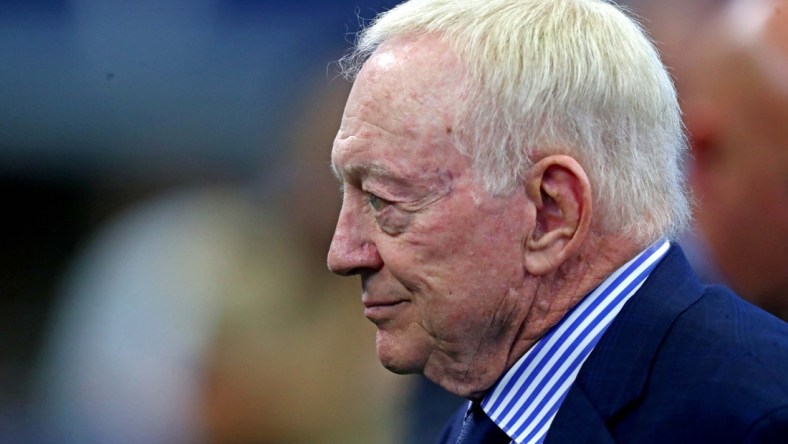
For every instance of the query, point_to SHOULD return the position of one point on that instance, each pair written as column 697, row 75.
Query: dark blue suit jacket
column 682, row 363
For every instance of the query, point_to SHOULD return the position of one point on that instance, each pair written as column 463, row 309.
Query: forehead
column 421, row 68
column 402, row 108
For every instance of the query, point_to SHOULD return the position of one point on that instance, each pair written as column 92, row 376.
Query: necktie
column 479, row 428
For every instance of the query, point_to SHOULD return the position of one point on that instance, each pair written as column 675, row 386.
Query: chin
column 399, row 355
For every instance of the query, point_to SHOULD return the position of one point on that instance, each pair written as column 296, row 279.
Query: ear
column 559, row 188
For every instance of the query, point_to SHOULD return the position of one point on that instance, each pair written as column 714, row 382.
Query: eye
column 377, row 203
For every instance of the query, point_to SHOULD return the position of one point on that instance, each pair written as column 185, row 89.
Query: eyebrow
column 373, row 168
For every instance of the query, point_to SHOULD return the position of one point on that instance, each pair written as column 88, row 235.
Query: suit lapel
column 617, row 370
column 585, row 425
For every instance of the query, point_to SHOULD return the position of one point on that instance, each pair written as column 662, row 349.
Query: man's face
column 440, row 259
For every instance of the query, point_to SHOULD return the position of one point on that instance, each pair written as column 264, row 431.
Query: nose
column 352, row 251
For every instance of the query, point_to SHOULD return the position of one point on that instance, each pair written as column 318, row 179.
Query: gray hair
column 575, row 77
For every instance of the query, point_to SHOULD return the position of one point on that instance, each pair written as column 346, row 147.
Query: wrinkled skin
column 441, row 261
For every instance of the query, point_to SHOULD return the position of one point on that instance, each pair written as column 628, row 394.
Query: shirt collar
column 525, row 400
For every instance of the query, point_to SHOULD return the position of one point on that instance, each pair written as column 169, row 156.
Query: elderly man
column 511, row 175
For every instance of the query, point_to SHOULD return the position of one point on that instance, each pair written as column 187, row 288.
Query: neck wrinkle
column 557, row 293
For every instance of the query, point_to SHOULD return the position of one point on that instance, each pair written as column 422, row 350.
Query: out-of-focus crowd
column 189, row 301
column 730, row 64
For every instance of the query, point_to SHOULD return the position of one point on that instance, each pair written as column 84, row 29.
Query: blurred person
column 207, row 315
column 734, row 83
column 306, row 322
column 124, row 357
column 673, row 23
column 512, row 175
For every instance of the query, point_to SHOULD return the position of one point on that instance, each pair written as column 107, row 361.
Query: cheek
column 465, row 242
column 470, row 261
column 460, row 248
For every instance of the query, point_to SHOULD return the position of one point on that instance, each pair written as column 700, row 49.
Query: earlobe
column 561, row 192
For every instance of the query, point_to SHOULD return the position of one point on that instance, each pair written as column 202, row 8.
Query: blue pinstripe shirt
column 525, row 400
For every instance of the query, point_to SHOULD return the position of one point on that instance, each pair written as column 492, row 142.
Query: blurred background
column 170, row 208
column 170, row 205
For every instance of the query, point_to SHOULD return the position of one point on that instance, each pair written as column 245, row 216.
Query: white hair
column 575, row 77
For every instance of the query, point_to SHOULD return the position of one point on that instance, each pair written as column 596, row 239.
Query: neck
column 555, row 294
column 541, row 304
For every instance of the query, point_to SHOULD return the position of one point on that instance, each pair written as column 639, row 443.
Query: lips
column 381, row 311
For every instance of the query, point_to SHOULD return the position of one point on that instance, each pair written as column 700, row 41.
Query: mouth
column 378, row 312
